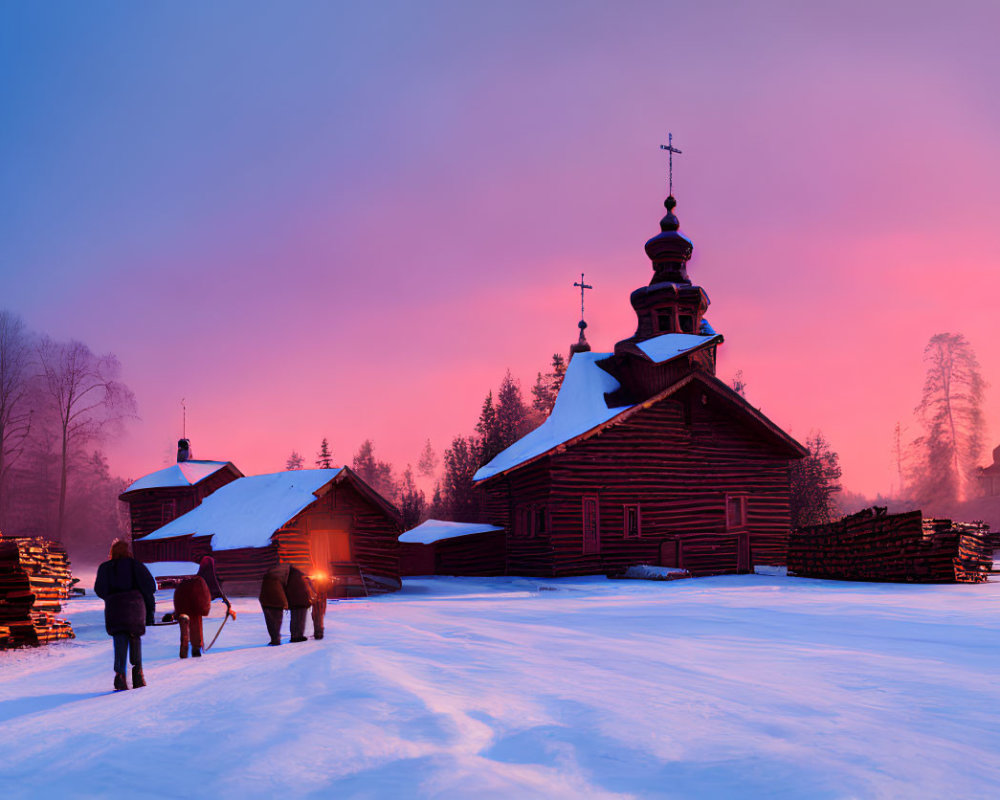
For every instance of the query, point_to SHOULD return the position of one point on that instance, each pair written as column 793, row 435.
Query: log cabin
column 647, row 457
column 321, row 520
column 162, row 496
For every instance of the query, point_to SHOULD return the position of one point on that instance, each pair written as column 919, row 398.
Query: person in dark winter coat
column 193, row 599
column 285, row 586
column 128, row 591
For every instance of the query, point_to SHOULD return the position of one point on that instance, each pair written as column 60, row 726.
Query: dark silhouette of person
column 285, row 586
column 128, row 591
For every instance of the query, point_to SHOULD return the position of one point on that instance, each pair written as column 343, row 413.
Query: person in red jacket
column 193, row 602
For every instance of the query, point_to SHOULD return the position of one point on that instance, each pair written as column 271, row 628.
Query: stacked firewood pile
column 34, row 578
column 874, row 546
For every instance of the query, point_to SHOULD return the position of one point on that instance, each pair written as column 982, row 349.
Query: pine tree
column 547, row 386
column 814, row 481
column 411, row 500
column 488, row 428
column 460, row 502
column 950, row 410
column 427, row 465
column 324, row 458
column 512, row 416
column 295, row 461
column 377, row 474
column 739, row 384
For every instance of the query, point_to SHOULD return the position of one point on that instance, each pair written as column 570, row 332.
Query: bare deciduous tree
column 951, row 412
column 87, row 398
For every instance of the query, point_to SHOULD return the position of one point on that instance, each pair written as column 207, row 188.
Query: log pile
column 874, row 546
column 34, row 579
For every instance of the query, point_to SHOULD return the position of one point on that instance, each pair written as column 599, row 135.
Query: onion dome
column 581, row 345
column 670, row 249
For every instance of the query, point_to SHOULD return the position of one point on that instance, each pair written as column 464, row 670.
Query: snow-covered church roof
column 248, row 511
column 184, row 473
column 667, row 346
column 434, row 530
column 579, row 407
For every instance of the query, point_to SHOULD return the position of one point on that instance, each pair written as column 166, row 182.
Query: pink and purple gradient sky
column 348, row 220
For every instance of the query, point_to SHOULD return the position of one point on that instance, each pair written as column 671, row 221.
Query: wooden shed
column 646, row 457
column 438, row 547
column 321, row 520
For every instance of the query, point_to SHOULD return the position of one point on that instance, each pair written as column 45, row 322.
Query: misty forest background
column 59, row 402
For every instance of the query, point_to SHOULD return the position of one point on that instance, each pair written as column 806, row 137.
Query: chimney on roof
column 183, row 450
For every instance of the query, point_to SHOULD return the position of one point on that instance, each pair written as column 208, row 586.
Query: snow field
column 737, row 686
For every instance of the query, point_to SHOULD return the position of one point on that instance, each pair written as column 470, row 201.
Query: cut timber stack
column 874, row 546
column 34, row 578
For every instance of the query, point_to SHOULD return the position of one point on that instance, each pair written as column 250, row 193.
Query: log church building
column 647, row 457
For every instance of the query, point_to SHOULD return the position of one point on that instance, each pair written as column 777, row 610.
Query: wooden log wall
column 874, row 546
column 34, row 578
column 374, row 540
column 477, row 554
column 677, row 460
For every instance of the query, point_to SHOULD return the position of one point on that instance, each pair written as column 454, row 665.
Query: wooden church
column 647, row 457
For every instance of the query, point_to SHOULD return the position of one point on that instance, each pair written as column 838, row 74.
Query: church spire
column 581, row 345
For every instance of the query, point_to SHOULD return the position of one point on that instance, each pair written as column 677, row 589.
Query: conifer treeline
column 504, row 418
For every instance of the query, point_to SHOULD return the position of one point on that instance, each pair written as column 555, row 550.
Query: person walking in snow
column 285, row 586
column 321, row 587
column 128, row 591
column 193, row 602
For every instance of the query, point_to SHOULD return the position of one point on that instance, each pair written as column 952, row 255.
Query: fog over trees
column 59, row 402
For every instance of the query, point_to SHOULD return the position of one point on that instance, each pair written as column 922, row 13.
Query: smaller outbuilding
column 321, row 520
column 437, row 547
column 164, row 495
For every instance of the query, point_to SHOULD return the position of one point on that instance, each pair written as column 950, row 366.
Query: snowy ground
column 742, row 686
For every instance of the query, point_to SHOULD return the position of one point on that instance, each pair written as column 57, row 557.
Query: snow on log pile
column 34, row 578
column 874, row 546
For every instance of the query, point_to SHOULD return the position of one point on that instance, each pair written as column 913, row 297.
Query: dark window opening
column 591, row 531
column 687, row 323
column 632, row 528
column 168, row 511
column 736, row 512
column 664, row 320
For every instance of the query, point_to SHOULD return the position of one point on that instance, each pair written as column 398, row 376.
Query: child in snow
column 285, row 586
column 128, row 591
column 193, row 602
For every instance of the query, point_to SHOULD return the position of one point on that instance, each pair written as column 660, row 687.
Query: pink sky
column 350, row 223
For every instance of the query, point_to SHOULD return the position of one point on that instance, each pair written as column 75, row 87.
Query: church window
column 736, row 512
column 591, row 526
column 686, row 323
column 664, row 320
column 540, row 520
column 632, row 525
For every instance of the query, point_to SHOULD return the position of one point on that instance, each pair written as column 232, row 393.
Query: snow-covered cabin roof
column 579, row 407
column 434, row 530
column 184, row 473
column 248, row 511
column 171, row 569
column 671, row 345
